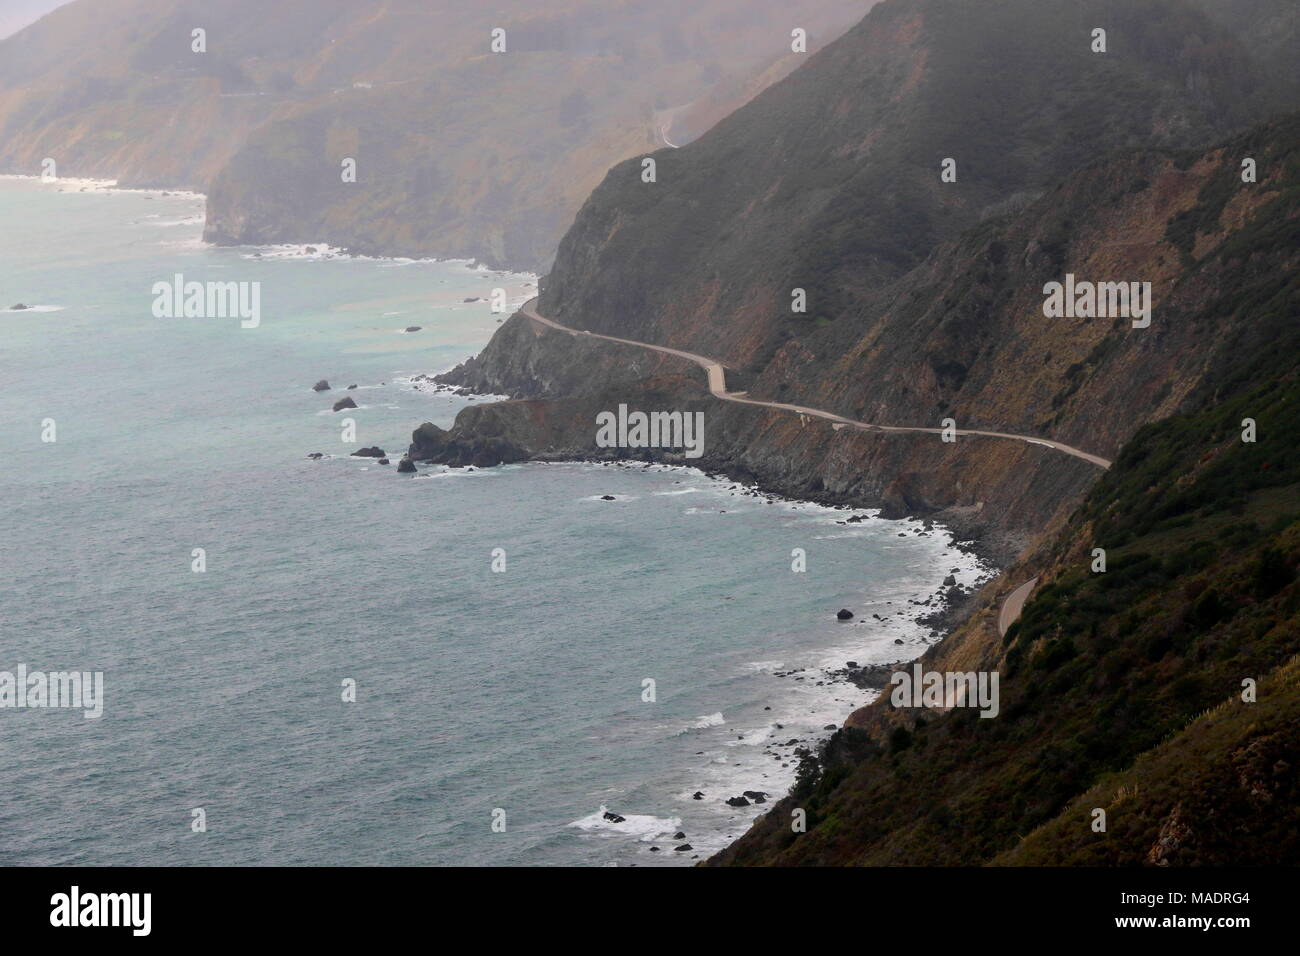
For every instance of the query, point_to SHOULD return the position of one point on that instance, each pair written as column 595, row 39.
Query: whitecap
column 643, row 826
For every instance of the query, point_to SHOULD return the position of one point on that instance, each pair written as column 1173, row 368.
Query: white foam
column 101, row 187
column 643, row 826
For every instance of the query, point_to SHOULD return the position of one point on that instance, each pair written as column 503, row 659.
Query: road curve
column 718, row 387
column 1012, row 606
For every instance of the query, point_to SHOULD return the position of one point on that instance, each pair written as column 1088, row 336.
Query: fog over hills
column 16, row 14
column 459, row 151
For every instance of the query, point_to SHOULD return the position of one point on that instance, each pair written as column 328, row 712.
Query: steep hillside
column 1121, row 690
column 459, row 151
column 938, row 285
column 19, row 13
column 1270, row 28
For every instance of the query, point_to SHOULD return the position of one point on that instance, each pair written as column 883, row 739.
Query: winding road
column 1012, row 606
column 717, row 378
column 718, row 387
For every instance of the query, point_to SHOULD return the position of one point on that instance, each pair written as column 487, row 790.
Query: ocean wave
column 36, row 308
column 643, row 826
column 102, row 186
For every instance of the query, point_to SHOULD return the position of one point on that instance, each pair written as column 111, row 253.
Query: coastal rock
column 613, row 817
column 316, row 455
column 845, row 614
column 344, row 402
column 18, row 308
column 607, row 498
column 351, row 387
column 485, row 445
column 413, row 328
column 321, row 386
column 406, row 467
column 683, row 847
column 383, row 461
column 372, row 452
column 737, row 802
column 949, row 581
column 698, row 795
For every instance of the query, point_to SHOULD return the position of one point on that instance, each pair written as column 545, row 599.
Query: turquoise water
column 477, row 691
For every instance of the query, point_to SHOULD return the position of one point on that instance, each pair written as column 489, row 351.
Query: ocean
column 496, row 712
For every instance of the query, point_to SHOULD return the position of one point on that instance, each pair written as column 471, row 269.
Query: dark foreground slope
column 1122, row 690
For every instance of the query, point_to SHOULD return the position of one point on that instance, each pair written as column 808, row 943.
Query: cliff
column 459, row 152
column 1121, row 689
column 924, row 298
column 1160, row 688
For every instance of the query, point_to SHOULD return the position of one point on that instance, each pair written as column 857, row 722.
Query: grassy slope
column 1107, row 678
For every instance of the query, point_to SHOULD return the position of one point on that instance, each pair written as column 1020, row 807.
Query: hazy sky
column 16, row 14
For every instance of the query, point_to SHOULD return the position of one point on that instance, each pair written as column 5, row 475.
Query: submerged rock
column 413, row 328
column 373, row 451
column 344, row 402
column 18, row 308
column 321, row 386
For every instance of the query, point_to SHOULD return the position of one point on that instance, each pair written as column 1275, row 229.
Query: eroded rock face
column 462, row 447
column 923, row 304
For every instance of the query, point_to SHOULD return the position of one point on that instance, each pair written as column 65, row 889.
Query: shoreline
column 814, row 691
column 94, row 186
column 760, row 753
